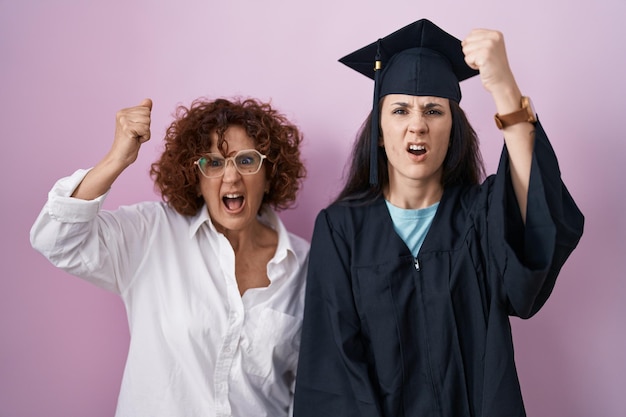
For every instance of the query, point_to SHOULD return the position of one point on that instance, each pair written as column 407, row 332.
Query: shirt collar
column 267, row 217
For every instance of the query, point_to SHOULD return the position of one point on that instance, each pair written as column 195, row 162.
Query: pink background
column 67, row 66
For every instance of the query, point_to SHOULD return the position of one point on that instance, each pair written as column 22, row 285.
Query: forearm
column 519, row 139
column 519, row 142
column 99, row 179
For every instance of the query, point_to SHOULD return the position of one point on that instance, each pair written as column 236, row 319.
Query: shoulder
column 149, row 217
column 352, row 210
column 148, row 210
column 470, row 198
column 351, row 218
column 299, row 246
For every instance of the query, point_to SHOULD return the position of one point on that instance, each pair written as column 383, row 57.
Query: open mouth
column 233, row 202
column 417, row 149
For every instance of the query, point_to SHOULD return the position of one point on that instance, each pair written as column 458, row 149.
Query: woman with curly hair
column 211, row 280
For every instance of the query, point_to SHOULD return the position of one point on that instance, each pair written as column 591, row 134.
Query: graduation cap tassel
column 375, row 120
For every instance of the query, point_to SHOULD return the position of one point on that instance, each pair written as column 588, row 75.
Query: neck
column 413, row 194
column 256, row 235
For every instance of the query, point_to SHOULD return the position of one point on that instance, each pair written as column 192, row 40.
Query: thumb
column 146, row 102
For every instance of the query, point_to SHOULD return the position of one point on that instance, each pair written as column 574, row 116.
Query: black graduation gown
column 384, row 335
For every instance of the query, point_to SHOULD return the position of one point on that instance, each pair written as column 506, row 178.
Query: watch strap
column 525, row 114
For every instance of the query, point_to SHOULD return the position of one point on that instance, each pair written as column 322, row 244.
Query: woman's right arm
column 72, row 232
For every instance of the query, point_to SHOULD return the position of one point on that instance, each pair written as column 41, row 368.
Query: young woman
column 416, row 267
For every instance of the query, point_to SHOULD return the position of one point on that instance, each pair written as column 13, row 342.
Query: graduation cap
column 419, row 59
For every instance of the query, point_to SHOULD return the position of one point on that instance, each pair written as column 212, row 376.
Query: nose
column 417, row 124
column 231, row 174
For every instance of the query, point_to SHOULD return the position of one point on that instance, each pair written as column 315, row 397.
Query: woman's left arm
column 485, row 51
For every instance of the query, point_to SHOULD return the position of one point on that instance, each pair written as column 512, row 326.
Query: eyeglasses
column 246, row 162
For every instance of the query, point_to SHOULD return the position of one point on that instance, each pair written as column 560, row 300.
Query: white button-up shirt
column 197, row 347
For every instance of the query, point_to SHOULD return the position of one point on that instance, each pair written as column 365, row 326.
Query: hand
column 132, row 129
column 485, row 51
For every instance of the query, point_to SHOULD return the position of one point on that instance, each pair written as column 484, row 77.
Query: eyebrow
column 428, row 105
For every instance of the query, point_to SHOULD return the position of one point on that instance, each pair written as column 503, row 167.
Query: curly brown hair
column 189, row 136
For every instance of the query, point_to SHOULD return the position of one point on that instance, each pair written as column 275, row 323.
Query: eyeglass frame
column 231, row 159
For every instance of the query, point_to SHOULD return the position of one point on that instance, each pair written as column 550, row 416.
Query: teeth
column 232, row 195
column 417, row 148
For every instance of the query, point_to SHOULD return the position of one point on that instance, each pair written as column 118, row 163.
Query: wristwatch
column 525, row 114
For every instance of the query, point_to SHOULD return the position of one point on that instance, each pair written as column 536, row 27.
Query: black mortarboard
column 420, row 59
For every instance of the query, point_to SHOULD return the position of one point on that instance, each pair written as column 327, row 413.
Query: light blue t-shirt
column 412, row 224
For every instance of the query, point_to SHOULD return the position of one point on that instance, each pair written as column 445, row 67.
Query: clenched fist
column 132, row 128
column 485, row 51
